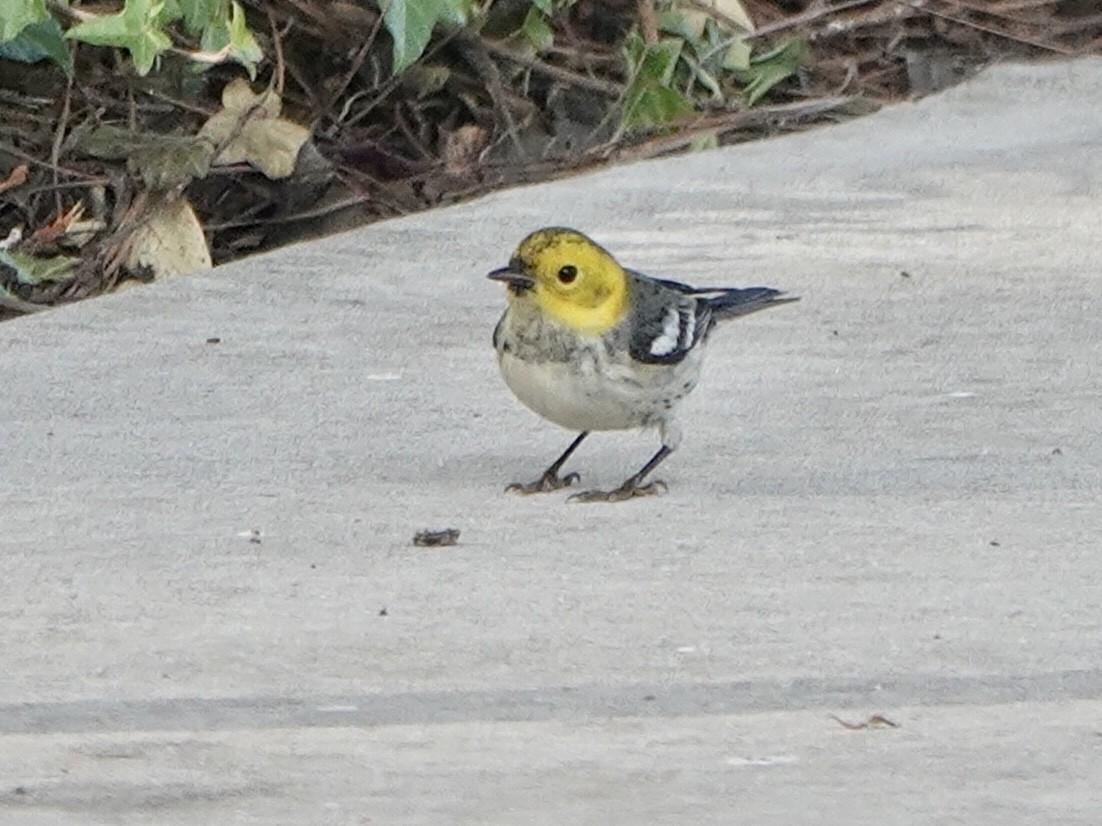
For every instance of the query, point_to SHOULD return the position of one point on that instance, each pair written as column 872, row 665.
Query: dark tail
column 732, row 303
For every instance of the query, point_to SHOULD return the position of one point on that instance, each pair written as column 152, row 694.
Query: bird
column 591, row 345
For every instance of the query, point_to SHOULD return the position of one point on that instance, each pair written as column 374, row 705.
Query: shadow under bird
column 591, row 345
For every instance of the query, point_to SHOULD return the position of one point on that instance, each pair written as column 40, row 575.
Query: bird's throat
column 594, row 317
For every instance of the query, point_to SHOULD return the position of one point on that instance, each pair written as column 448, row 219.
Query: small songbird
column 591, row 345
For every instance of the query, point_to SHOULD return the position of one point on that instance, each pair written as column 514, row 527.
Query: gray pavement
column 888, row 501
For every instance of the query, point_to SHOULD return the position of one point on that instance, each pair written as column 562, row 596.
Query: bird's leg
column 550, row 480
column 632, row 487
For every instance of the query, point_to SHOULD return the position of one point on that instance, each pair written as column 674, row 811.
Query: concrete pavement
column 888, row 500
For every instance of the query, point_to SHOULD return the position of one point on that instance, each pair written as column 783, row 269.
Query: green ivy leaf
column 771, row 68
column 244, row 48
column 34, row 271
column 545, row 6
column 232, row 31
column 18, row 14
column 199, row 14
column 650, row 102
column 135, row 29
column 536, row 30
column 169, row 13
column 661, row 59
column 411, row 22
column 653, row 107
column 687, row 27
column 40, row 41
column 737, row 57
column 705, row 79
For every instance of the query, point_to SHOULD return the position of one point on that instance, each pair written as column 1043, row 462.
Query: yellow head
column 568, row 277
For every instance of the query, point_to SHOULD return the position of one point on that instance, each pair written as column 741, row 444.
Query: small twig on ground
column 72, row 173
column 17, row 304
column 875, row 721
column 963, row 21
column 186, row 106
column 557, row 73
column 59, row 139
column 277, row 44
column 720, row 125
column 817, row 12
column 356, row 64
column 27, row 191
column 395, row 81
column 474, row 51
column 648, row 22
column 306, row 214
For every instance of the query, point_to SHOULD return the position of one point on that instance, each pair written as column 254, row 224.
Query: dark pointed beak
column 519, row 281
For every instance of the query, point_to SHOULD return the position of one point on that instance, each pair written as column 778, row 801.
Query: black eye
column 568, row 273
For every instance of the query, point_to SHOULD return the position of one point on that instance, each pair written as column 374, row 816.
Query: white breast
column 593, row 393
column 576, row 383
column 571, row 396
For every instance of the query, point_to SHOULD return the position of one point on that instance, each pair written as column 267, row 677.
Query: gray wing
column 667, row 320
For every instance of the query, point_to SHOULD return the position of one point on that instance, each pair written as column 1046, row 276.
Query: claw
column 545, row 484
column 628, row 490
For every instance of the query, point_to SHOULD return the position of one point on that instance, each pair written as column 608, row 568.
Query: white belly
column 591, row 396
column 569, row 398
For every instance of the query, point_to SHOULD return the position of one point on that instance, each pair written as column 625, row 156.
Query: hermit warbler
column 591, row 345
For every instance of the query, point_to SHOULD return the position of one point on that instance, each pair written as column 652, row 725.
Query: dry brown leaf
column 18, row 177
column 463, row 146
column 170, row 242
column 250, row 130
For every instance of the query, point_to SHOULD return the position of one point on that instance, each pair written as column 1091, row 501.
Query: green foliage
column 18, row 14
column 136, row 28
column 736, row 57
column 650, row 101
column 28, row 33
column 229, row 37
column 701, row 62
column 769, row 69
column 197, row 14
column 702, row 58
column 42, row 40
column 411, row 23
column 536, row 29
column 34, row 271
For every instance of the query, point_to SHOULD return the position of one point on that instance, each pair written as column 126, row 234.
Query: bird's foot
column 550, row 481
column 629, row 490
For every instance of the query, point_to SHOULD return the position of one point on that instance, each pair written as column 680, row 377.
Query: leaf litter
column 110, row 176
